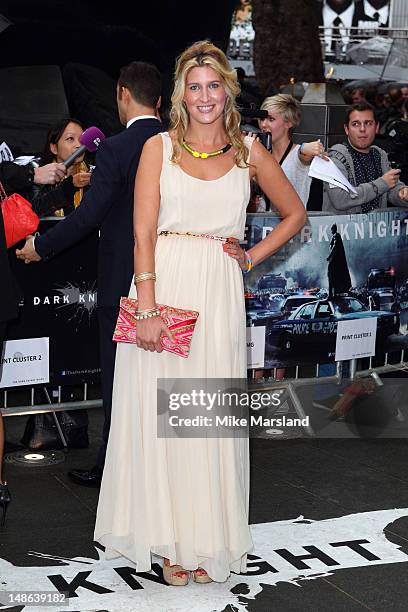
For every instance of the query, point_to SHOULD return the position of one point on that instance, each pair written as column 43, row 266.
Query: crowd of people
column 386, row 104
column 389, row 99
column 171, row 209
column 390, row 102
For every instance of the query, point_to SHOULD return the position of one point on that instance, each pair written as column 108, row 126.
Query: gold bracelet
column 143, row 276
column 147, row 314
column 146, row 310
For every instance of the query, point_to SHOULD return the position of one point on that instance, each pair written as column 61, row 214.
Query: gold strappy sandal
column 175, row 575
column 201, row 576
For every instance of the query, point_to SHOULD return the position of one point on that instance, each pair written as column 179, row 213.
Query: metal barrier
column 33, row 407
column 292, row 385
column 357, row 370
column 336, row 42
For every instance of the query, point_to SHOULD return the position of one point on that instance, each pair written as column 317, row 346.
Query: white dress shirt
column 329, row 16
column 129, row 123
column 383, row 12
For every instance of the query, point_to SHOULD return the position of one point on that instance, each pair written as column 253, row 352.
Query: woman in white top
column 186, row 499
column 283, row 116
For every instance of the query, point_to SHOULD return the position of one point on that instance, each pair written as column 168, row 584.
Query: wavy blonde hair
column 204, row 53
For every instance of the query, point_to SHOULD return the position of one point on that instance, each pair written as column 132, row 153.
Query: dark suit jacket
column 9, row 296
column 14, row 178
column 108, row 205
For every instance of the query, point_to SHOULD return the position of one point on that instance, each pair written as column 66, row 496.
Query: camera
column 398, row 156
column 266, row 139
column 256, row 113
column 395, row 165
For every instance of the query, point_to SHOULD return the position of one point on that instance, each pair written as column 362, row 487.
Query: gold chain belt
column 192, row 235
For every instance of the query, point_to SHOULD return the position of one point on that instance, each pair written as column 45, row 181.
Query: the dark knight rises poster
column 60, row 299
column 337, row 268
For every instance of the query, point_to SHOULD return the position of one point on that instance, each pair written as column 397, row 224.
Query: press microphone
column 90, row 141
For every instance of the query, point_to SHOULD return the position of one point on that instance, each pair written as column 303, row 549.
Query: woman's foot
column 175, row 574
column 201, row 576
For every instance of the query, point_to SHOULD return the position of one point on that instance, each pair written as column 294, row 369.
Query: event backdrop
column 363, row 14
column 59, row 303
column 287, row 296
column 367, row 272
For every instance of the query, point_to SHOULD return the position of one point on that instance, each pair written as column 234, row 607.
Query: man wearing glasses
column 366, row 166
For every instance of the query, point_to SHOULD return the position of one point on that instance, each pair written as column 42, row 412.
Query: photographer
column 283, row 115
column 15, row 178
column 19, row 179
column 366, row 166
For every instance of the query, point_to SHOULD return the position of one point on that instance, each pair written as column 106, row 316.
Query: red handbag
column 180, row 322
column 19, row 218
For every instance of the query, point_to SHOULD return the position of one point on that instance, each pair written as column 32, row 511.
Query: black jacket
column 46, row 199
column 108, row 205
column 9, row 295
column 15, row 178
column 18, row 179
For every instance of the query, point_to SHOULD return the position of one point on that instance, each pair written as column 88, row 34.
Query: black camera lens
column 266, row 139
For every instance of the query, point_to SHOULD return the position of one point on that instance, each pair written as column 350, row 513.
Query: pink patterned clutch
column 180, row 322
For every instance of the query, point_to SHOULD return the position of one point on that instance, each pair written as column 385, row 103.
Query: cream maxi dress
column 184, row 499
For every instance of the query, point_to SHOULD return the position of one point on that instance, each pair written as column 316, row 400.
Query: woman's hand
column 314, row 149
column 252, row 135
column 148, row 334
column 49, row 174
column 81, row 179
column 232, row 248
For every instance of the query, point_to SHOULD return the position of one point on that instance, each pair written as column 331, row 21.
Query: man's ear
column 158, row 103
column 346, row 129
column 377, row 127
column 124, row 94
column 53, row 148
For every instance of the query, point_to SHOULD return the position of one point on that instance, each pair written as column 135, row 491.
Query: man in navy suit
column 108, row 205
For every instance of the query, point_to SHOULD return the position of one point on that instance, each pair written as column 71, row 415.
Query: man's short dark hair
column 360, row 107
column 144, row 82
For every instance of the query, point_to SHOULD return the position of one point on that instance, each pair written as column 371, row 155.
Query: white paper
column 23, row 160
column 326, row 170
column 255, row 337
column 356, row 338
column 25, row 362
column 5, row 153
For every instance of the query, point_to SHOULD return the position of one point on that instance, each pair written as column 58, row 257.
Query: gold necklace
column 198, row 155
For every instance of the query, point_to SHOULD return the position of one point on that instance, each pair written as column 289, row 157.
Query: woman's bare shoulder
column 153, row 150
column 151, row 158
column 154, row 143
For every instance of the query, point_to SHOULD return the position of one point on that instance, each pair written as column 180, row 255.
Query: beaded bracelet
column 147, row 314
column 147, row 310
column 249, row 263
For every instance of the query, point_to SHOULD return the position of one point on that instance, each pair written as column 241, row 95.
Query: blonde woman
column 283, row 116
column 186, row 500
